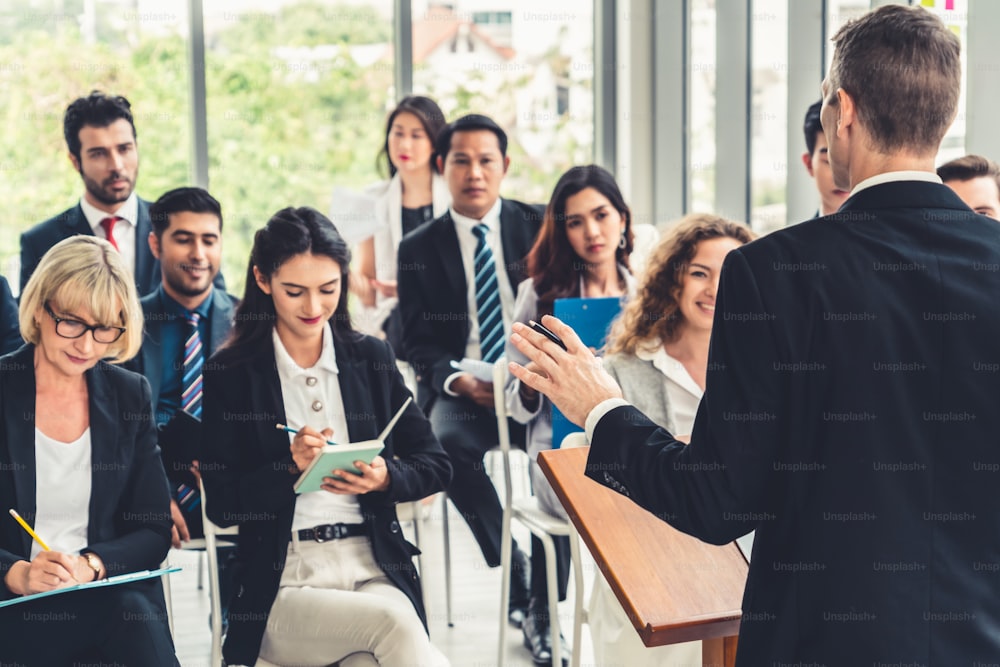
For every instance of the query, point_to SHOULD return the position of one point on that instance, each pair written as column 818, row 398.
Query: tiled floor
column 472, row 642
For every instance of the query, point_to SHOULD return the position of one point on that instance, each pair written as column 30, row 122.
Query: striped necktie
column 487, row 298
column 194, row 359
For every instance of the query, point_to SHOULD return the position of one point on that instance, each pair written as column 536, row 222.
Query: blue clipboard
column 591, row 319
column 101, row 583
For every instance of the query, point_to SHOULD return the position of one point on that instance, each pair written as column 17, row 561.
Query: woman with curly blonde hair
column 658, row 354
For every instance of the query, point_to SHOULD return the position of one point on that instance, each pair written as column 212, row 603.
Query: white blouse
column 311, row 397
column 62, row 492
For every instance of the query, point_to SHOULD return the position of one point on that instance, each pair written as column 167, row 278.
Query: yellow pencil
column 34, row 535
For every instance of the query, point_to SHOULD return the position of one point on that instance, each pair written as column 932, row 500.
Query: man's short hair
column 469, row 123
column 812, row 126
column 178, row 200
column 901, row 67
column 98, row 110
column 968, row 167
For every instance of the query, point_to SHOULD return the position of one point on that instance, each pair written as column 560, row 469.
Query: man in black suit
column 101, row 138
column 850, row 408
column 438, row 281
column 187, row 243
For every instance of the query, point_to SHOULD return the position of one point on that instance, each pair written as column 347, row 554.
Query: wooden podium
column 674, row 587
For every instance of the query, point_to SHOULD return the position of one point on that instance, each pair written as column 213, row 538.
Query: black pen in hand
column 548, row 334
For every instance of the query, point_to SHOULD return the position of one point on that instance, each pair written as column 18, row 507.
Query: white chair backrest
column 500, row 402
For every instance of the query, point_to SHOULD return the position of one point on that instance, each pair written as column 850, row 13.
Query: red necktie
column 108, row 224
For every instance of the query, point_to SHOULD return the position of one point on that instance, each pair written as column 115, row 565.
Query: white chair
column 209, row 544
column 542, row 525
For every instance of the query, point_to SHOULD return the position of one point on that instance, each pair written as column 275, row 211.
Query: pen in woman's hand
column 286, row 429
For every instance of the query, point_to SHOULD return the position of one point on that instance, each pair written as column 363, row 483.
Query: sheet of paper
column 353, row 214
column 481, row 370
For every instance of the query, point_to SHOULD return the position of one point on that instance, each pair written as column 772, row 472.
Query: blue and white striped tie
column 194, row 359
column 487, row 299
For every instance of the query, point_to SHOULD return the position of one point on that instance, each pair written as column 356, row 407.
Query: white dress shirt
column 62, row 493
column 467, row 242
column 124, row 229
column 683, row 393
column 311, row 397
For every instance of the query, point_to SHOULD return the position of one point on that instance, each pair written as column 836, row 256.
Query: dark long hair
column 430, row 116
column 289, row 232
column 552, row 264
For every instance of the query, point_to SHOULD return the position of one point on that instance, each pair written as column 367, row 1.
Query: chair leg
column 506, row 556
column 575, row 559
column 201, row 570
column 447, row 559
column 552, row 587
column 167, row 597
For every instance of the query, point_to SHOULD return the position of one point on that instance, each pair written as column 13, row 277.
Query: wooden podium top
column 674, row 588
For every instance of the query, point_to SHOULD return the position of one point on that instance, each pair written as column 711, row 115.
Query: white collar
column 128, row 211
column 286, row 365
column 653, row 352
column 491, row 219
column 893, row 176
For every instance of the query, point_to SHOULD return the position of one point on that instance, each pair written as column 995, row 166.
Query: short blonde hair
column 85, row 273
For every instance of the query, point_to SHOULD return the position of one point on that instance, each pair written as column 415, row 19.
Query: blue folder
column 591, row 319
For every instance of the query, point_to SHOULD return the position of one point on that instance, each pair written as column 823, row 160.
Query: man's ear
column 506, row 163
column 75, row 162
column 262, row 281
column 807, row 160
column 846, row 111
column 154, row 244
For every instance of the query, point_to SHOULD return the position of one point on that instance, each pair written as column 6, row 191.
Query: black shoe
column 520, row 588
column 538, row 639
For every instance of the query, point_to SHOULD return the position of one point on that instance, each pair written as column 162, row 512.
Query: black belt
column 333, row 531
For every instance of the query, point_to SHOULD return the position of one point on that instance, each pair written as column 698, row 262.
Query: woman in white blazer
column 414, row 194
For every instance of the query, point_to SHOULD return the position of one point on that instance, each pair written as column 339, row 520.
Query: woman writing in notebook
column 658, row 353
column 79, row 463
column 582, row 250
column 327, row 576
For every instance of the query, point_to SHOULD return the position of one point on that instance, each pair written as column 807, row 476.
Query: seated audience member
column 326, row 576
column 976, row 180
column 186, row 321
column 660, row 364
column 100, row 134
column 817, row 162
column 10, row 331
column 457, row 279
column 414, row 194
column 582, row 250
column 79, row 461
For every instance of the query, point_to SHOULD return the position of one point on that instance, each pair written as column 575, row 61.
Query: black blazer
column 36, row 241
column 149, row 361
column 850, row 417
column 246, row 466
column 129, row 503
column 433, row 293
column 10, row 328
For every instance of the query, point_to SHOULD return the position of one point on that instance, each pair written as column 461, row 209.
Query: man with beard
column 101, row 139
column 186, row 320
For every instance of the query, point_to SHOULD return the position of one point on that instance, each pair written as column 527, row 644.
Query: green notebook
column 342, row 457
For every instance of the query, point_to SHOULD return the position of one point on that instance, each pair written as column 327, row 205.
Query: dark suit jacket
column 129, row 503
column 246, row 466
column 149, row 361
column 850, row 417
column 433, row 293
column 10, row 329
column 36, row 241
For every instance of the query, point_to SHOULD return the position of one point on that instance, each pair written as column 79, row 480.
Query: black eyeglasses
column 75, row 328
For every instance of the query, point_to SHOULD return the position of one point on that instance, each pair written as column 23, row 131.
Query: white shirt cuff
column 447, row 383
column 601, row 409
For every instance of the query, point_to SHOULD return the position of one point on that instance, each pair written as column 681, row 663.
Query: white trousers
column 335, row 605
column 617, row 643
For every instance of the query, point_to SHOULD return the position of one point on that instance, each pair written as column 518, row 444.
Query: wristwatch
column 94, row 562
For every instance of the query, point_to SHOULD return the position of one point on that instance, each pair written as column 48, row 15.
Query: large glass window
column 702, row 111
column 768, row 114
column 297, row 97
column 955, row 14
column 54, row 51
column 528, row 65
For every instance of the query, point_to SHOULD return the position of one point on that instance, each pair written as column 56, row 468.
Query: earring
column 622, row 242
